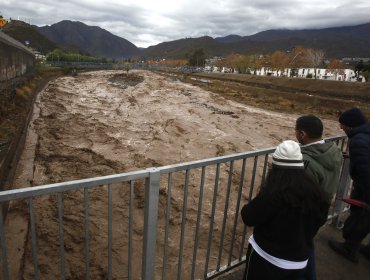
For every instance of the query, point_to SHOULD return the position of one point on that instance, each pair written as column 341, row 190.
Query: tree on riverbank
column 196, row 57
column 59, row 55
column 314, row 58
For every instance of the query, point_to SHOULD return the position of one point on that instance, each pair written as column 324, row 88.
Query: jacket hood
column 365, row 128
column 326, row 154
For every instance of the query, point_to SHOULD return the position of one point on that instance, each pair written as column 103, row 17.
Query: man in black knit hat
column 357, row 226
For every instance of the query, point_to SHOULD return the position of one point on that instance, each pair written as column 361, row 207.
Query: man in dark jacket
column 322, row 162
column 357, row 225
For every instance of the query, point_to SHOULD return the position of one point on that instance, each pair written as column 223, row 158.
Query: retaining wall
column 16, row 60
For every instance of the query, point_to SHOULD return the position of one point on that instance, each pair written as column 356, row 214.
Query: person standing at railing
column 322, row 163
column 286, row 215
column 357, row 225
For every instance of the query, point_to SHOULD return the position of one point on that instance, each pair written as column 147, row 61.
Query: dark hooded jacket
column 323, row 163
column 359, row 154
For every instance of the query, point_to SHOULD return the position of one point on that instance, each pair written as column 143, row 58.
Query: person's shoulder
column 334, row 148
column 360, row 139
column 360, row 131
column 319, row 149
column 308, row 149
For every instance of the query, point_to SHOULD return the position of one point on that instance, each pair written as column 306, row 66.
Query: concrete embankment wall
column 16, row 60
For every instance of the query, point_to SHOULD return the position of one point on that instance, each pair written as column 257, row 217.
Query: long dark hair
column 293, row 190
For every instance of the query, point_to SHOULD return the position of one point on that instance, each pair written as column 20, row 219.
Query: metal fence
column 172, row 222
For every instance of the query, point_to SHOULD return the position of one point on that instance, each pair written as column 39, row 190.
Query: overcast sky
column 149, row 22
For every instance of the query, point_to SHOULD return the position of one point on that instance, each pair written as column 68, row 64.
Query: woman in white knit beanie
column 286, row 215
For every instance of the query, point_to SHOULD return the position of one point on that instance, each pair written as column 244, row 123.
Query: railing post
column 344, row 184
column 150, row 223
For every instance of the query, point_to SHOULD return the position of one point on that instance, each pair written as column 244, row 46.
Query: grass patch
column 43, row 69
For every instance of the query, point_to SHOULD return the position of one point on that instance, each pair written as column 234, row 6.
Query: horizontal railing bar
column 92, row 182
column 71, row 185
column 213, row 161
column 123, row 177
column 335, row 138
column 227, row 158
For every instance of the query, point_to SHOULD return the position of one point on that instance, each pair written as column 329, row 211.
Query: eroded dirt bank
column 102, row 123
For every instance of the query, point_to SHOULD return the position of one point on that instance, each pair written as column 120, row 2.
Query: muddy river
column 107, row 122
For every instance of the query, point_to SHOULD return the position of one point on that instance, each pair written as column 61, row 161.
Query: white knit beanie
column 288, row 155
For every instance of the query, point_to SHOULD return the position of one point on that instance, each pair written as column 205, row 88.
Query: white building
column 323, row 74
column 264, row 71
column 328, row 74
column 309, row 73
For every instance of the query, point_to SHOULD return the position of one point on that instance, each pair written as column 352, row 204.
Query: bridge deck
column 330, row 266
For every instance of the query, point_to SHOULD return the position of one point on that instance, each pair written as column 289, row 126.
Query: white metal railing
column 191, row 227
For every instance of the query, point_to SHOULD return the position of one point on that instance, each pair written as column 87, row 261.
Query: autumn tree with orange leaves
column 336, row 64
column 232, row 60
column 336, row 67
column 279, row 60
column 296, row 59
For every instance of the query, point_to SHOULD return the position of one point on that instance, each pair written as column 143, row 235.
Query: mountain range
column 336, row 42
column 93, row 39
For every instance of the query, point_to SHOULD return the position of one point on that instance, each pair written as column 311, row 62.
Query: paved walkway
column 330, row 266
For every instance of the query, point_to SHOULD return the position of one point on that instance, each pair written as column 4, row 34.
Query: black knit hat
column 352, row 118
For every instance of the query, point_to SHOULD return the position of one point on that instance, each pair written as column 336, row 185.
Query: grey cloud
column 193, row 18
